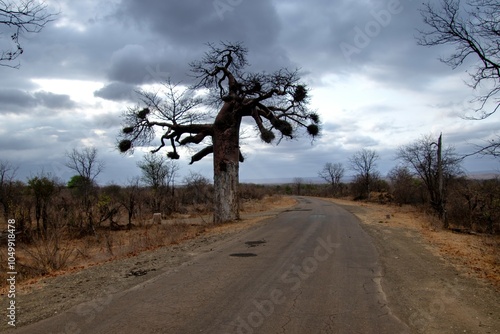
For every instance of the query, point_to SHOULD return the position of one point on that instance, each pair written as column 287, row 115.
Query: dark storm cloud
column 374, row 38
column 54, row 101
column 117, row 91
column 138, row 64
column 182, row 28
column 15, row 100
column 190, row 24
column 110, row 122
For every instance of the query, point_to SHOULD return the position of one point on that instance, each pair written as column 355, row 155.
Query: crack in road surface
column 255, row 243
column 243, row 254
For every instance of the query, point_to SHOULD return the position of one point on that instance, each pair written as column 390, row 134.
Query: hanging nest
column 300, row 93
column 173, row 155
column 267, row 136
column 284, row 127
column 313, row 130
column 125, row 145
column 143, row 113
column 314, row 117
column 128, row 130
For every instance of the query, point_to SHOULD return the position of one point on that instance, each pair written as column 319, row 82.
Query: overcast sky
column 373, row 86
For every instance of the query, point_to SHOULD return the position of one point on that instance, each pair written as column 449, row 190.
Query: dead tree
column 364, row 163
column 333, row 174
column 434, row 165
column 277, row 103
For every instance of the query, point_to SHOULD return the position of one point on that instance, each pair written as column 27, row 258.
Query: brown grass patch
column 273, row 202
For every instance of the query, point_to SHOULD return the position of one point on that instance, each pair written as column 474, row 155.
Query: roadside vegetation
column 61, row 225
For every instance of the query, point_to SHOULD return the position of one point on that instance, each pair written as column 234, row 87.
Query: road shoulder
column 428, row 292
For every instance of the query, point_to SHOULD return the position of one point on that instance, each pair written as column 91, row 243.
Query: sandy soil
column 430, row 275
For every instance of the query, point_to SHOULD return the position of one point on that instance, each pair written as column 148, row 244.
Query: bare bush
column 405, row 188
column 475, row 205
column 46, row 254
column 197, row 191
column 252, row 191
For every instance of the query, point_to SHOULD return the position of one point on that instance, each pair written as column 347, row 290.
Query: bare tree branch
column 21, row 17
column 85, row 162
column 473, row 28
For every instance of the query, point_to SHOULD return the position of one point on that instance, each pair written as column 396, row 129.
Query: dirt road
column 311, row 269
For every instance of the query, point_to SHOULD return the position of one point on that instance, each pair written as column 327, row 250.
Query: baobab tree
column 277, row 103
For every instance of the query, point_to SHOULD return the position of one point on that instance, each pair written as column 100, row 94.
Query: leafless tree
column 404, row 185
column 18, row 18
column 472, row 27
column 158, row 172
column 364, row 163
column 129, row 198
column 7, row 175
column 298, row 183
column 276, row 102
column 333, row 174
column 197, row 189
column 422, row 158
column 85, row 162
column 88, row 166
column 44, row 187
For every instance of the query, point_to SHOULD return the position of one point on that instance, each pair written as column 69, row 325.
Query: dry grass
column 477, row 255
column 268, row 203
column 53, row 257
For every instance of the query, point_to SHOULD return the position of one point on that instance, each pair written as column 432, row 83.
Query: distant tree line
column 428, row 175
column 44, row 205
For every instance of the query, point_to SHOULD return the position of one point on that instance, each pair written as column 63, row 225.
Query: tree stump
column 157, row 218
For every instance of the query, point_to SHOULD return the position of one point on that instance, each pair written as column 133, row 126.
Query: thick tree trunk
column 226, row 165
